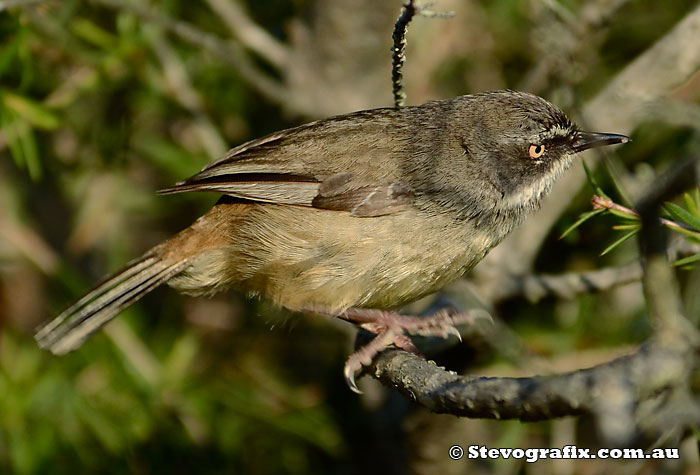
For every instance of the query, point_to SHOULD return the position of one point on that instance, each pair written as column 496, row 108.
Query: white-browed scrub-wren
column 356, row 213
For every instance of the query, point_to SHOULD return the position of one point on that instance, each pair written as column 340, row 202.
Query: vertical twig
column 398, row 56
column 398, row 51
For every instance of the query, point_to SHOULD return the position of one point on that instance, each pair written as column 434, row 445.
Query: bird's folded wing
column 296, row 168
column 341, row 192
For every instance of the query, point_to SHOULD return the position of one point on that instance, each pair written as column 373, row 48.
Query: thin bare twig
column 398, row 55
column 534, row 287
column 250, row 34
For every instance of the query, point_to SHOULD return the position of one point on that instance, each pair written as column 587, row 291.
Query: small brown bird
column 356, row 213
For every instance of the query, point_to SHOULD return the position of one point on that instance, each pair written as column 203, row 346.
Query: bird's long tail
column 68, row 330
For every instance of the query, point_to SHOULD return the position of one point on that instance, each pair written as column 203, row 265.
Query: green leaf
column 687, row 260
column 20, row 141
column 615, row 170
column 681, row 214
column 33, row 112
column 9, row 52
column 625, row 227
column 624, row 238
column 93, row 33
column 583, row 218
column 592, row 181
column 691, row 202
column 10, row 130
column 31, row 154
column 691, row 234
column 623, row 214
column 177, row 365
column 174, row 160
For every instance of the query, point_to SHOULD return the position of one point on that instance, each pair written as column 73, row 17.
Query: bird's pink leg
column 392, row 328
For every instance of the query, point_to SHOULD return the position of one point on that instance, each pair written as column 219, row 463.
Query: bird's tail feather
column 87, row 315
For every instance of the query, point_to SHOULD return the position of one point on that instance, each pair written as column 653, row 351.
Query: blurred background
column 104, row 102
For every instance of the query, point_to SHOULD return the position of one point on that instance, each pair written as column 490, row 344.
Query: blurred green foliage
column 99, row 107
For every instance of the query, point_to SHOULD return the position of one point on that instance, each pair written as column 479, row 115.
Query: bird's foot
column 392, row 329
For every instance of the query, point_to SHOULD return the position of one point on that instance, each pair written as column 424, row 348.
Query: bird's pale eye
column 536, row 151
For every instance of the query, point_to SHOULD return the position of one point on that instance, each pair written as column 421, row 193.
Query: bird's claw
column 349, row 372
column 452, row 330
column 392, row 329
column 363, row 356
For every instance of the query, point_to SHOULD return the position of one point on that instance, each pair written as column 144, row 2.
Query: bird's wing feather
column 341, row 192
column 308, row 166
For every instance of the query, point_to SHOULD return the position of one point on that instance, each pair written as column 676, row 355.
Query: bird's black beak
column 586, row 140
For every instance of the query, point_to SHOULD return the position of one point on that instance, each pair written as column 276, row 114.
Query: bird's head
column 523, row 143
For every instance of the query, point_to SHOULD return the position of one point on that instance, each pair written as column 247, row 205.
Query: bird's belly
column 307, row 259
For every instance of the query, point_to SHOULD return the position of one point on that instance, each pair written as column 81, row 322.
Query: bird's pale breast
column 305, row 258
